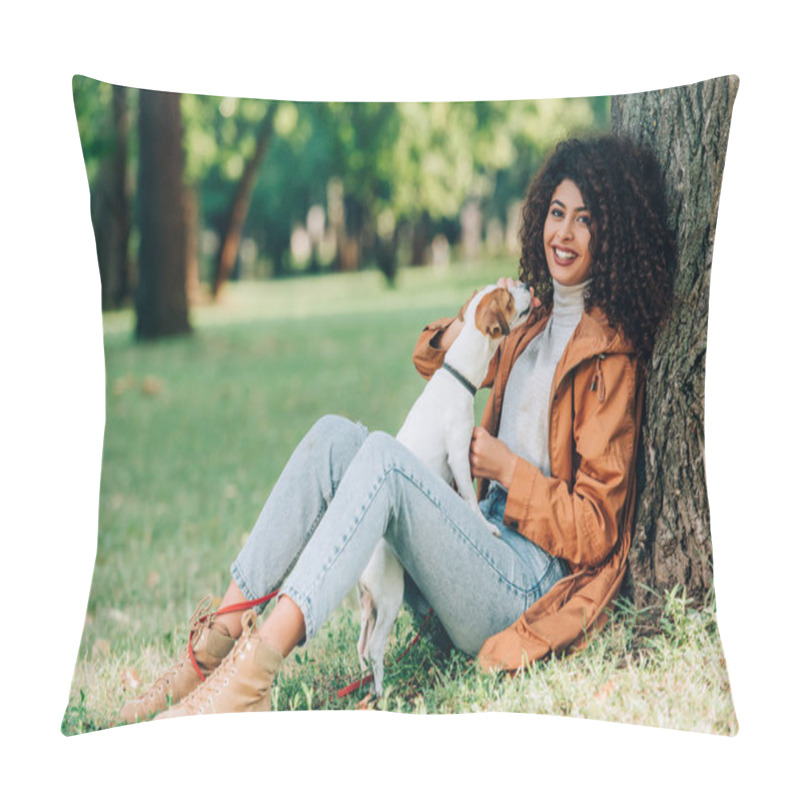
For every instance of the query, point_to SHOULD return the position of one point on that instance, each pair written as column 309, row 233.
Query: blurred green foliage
column 395, row 163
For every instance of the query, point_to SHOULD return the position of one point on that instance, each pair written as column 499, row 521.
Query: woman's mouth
column 564, row 257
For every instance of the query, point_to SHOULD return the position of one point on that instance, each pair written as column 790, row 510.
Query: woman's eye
column 556, row 212
column 585, row 219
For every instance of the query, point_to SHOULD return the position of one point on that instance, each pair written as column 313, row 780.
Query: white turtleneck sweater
column 526, row 404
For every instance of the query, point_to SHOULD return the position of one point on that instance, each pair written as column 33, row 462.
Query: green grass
column 197, row 431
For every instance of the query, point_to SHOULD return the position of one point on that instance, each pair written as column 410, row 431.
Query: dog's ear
column 463, row 310
column 493, row 313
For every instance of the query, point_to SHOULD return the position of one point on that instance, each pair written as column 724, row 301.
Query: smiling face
column 568, row 235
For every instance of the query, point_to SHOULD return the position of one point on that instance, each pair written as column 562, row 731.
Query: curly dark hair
column 631, row 248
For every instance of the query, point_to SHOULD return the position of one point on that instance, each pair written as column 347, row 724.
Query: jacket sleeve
column 428, row 358
column 580, row 521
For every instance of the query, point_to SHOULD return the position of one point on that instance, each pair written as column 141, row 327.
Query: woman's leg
column 292, row 511
column 287, row 626
column 477, row 583
column 295, row 506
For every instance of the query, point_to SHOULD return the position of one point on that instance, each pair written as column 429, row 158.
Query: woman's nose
column 566, row 232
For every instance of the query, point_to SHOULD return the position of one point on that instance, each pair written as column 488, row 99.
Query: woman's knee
column 332, row 425
column 332, row 430
column 380, row 448
column 331, row 444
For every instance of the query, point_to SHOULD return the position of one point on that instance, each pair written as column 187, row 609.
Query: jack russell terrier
column 438, row 430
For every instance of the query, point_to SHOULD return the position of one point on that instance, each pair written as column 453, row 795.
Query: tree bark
column 386, row 254
column 111, row 210
column 687, row 128
column 232, row 233
column 161, row 303
column 349, row 256
column 420, row 238
column 192, row 216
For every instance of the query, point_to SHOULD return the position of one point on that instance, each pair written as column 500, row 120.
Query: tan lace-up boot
column 207, row 645
column 242, row 682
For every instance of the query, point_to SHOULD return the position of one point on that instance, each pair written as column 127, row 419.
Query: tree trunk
column 161, row 302
column 111, row 210
column 192, row 216
column 349, row 256
column 420, row 237
column 232, row 233
column 687, row 128
column 386, row 244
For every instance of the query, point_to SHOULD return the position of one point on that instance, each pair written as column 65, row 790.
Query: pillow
column 265, row 263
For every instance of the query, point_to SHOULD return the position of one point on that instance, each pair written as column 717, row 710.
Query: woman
column 554, row 455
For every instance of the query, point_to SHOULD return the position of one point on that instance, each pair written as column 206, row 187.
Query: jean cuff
column 304, row 604
column 244, row 588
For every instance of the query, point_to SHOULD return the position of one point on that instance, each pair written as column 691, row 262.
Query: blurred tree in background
column 162, row 307
column 103, row 124
column 275, row 187
column 231, row 232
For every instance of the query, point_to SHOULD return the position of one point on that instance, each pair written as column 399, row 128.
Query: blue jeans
column 342, row 490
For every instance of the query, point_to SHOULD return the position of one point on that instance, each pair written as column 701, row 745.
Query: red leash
column 367, row 679
column 349, row 689
column 226, row 610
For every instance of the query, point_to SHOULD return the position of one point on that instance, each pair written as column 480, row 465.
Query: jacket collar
column 592, row 336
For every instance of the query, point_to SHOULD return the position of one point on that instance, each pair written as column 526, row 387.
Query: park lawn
column 197, row 431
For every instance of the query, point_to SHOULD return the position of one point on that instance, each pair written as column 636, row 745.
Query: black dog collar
column 460, row 378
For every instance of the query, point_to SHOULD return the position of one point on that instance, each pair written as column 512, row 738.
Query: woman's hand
column 491, row 458
column 510, row 283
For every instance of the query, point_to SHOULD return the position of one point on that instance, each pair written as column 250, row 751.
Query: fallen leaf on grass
column 130, row 679
column 101, row 647
column 604, row 691
column 123, row 384
column 120, row 617
column 366, row 703
column 152, row 385
column 153, row 579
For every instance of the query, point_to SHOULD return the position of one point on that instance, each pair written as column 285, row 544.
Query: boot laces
column 199, row 620
column 220, row 678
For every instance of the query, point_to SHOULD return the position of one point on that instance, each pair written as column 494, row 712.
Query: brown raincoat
column 584, row 512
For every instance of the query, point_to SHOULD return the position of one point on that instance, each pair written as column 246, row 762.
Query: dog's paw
column 367, row 703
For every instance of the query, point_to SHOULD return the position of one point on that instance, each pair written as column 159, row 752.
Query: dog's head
column 496, row 311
